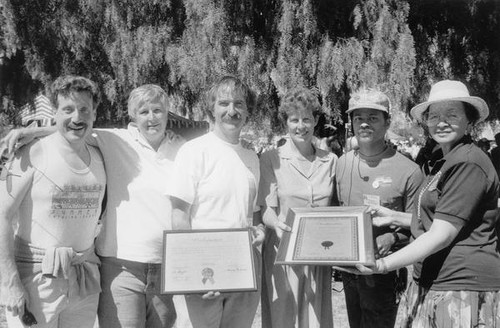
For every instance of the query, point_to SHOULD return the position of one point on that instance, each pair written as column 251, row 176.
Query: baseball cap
column 369, row 98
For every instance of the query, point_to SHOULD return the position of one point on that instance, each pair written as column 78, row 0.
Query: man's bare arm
column 14, row 185
column 19, row 137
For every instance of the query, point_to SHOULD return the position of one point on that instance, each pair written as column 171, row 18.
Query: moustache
column 234, row 117
column 79, row 125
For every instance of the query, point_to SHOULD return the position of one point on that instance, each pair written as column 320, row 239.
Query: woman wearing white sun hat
column 454, row 251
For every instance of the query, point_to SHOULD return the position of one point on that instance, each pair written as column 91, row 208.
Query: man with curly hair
column 54, row 187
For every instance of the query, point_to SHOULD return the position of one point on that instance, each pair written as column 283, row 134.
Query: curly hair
column 146, row 93
column 235, row 85
column 65, row 85
column 299, row 99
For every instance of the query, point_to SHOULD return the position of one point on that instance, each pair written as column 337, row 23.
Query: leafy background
column 330, row 46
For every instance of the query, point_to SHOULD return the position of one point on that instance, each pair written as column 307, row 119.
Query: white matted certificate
column 199, row 261
column 331, row 235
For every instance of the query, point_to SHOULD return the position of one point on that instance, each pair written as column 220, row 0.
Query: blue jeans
column 131, row 296
column 372, row 301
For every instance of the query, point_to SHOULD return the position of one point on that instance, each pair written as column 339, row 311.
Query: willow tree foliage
column 378, row 54
column 137, row 39
column 330, row 46
column 458, row 40
column 297, row 44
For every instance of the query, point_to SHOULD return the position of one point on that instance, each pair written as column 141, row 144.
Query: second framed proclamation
column 333, row 235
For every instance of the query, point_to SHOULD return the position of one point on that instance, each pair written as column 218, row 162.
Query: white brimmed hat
column 447, row 90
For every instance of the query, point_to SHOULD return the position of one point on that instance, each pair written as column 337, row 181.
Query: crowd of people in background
column 82, row 211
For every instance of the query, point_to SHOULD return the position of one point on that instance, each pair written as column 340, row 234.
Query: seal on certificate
column 327, row 244
column 208, row 275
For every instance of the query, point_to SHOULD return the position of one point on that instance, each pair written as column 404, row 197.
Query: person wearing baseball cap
column 455, row 251
column 376, row 175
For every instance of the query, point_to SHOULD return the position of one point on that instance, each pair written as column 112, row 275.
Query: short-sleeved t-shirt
column 462, row 189
column 389, row 179
column 220, row 181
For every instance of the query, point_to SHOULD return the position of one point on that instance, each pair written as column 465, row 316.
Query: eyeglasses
column 450, row 118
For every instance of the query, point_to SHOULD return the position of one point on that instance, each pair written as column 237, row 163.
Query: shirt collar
column 290, row 151
column 438, row 158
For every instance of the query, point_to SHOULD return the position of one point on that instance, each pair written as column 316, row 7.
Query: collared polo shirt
column 137, row 212
column 462, row 189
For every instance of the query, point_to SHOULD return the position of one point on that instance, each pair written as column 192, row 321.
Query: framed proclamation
column 199, row 261
column 333, row 235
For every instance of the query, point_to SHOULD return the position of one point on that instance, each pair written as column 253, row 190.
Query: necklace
column 377, row 154
column 424, row 189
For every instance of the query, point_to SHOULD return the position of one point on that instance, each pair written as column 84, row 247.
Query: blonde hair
column 146, row 93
